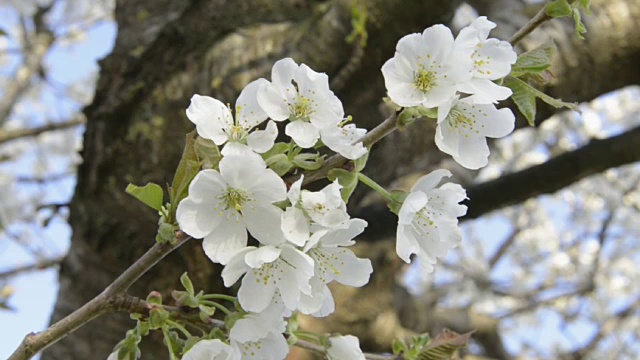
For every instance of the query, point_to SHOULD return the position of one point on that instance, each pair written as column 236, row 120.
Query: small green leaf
column 407, row 117
column 361, row 162
column 558, row 8
column 143, row 327
column 427, row 112
column 534, row 61
column 209, row 310
column 348, row 180
column 521, row 86
column 150, row 194
column 525, row 100
column 398, row 347
column 280, row 164
column 584, row 5
column 187, row 169
column 186, row 282
column 157, row 317
column 183, row 298
column 580, row 28
column 444, row 345
column 308, row 161
column 208, row 153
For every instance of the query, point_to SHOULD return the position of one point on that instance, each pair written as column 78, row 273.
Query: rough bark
column 166, row 51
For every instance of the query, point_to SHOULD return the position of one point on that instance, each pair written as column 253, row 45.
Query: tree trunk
column 167, row 50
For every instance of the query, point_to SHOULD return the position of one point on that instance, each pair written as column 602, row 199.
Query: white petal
column 236, row 267
column 473, row 152
column 406, row 243
column 483, row 26
column 266, row 187
column 273, row 102
column 484, row 91
column 262, row 255
column 295, row 226
column 249, row 114
column 196, row 218
column 347, row 268
column 256, row 292
column 226, row 240
column 400, row 85
column 440, row 94
column 262, row 140
column 303, row 133
column 211, row 118
column 264, row 223
column 493, row 59
column 256, row 326
column 414, row 202
column 272, row 347
column 294, row 191
column 431, row 180
column 211, row 350
column 343, row 236
column 344, row 347
column 283, row 71
column 437, row 41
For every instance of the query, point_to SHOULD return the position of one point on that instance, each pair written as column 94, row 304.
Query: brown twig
column 536, row 21
column 101, row 304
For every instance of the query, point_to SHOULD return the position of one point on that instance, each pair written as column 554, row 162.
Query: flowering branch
column 101, row 304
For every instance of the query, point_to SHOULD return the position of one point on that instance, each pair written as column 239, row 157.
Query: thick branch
column 555, row 174
column 36, row 342
column 6, row 136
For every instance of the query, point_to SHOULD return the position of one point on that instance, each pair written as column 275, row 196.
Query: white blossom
column 215, row 122
column 212, row 350
column 303, row 96
column 333, row 261
column 325, row 207
column 427, row 220
column 272, row 347
column 463, row 126
column 426, row 68
column 344, row 347
column 492, row 60
column 343, row 140
column 223, row 205
column 254, row 326
column 270, row 273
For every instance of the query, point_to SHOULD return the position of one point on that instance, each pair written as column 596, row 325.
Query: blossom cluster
column 302, row 237
column 455, row 76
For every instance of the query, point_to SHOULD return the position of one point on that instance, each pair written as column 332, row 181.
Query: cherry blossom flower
column 212, row 350
column 343, row 140
column 271, row 347
column 255, row 326
column 270, row 273
column 325, row 207
column 492, row 60
column 223, row 205
column 463, row 126
column 344, row 347
column 427, row 69
column 333, row 261
column 427, row 220
column 214, row 121
column 303, row 96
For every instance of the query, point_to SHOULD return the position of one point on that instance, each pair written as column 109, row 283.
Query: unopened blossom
column 344, row 347
column 333, row 260
column 325, row 208
column 492, row 60
column 464, row 126
column 427, row 220
column 426, row 68
column 270, row 273
column 212, row 350
column 223, row 205
column 214, row 120
column 303, row 96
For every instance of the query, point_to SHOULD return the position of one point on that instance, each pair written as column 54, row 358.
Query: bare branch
column 40, row 265
column 101, row 304
column 6, row 136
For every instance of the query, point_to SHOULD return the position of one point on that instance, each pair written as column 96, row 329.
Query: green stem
column 309, row 336
column 217, row 306
column 291, row 152
column 375, row 186
column 220, row 297
column 167, row 340
column 182, row 329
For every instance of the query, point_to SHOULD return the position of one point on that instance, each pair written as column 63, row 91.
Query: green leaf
column 398, row 347
column 280, row 164
column 584, row 5
column 444, row 345
column 308, row 161
column 187, row 169
column 361, row 162
column 348, row 180
column 208, row 153
column 186, row 282
column 558, row 8
column 580, row 28
column 157, row 317
column 525, row 100
column 150, row 194
column 209, row 310
column 534, row 61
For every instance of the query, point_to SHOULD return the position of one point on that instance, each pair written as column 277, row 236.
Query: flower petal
column 211, row 118
column 264, row 223
column 249, row 114
column 229, row 237
column 262, row 141
column 430, row 181
column 303, row 133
